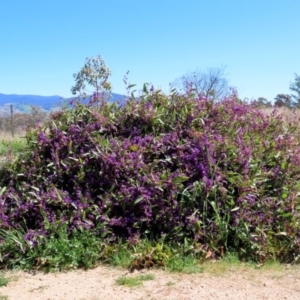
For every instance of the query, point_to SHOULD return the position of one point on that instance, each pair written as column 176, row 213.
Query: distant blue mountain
column 45, row 102
column 22, row 103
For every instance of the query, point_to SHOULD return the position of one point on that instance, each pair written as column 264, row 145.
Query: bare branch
column 211, row 84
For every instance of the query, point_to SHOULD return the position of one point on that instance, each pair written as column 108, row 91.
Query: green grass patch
column 120, row 257
column 59, row 251
column 184, row 264
column 134, row 281
column 14, row 146
column 3, row 281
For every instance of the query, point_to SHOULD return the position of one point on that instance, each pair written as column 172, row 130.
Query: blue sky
column 44, row 42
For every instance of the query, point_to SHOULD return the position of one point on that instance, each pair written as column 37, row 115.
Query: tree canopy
column 211, row 84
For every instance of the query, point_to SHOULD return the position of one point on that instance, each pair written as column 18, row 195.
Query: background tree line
column 20, row 121
column 213, row 84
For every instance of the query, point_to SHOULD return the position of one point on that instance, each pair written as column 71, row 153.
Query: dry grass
column 10, row 146
column 6, row 136
column 287, row 113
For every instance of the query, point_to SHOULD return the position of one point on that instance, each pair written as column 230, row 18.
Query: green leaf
column 35, row 188
column 145, row 89
column 277, row 155
column 235, row 209
column 180, row 179
column 138, row 200
column 281, row 233
column 2, row 190
column 197, row 225
column 75, row 159
column 59, row 195
column 283, row 165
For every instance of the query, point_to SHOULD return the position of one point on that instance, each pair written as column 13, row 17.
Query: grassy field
column 10, row 146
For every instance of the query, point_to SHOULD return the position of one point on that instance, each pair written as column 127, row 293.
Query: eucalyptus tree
column 283, row 100
column 95, row 73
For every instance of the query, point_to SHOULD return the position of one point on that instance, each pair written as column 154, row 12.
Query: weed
column 3, row 281
column 40, row 288
column 134, row 281
column 121, row 257
column 184, row 264
column 229, row 263
column 146, row 277
column 60, row 251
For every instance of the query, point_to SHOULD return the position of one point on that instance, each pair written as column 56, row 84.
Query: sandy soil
column 100, row 283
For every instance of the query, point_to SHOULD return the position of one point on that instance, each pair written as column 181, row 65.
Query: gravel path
column 100, row 283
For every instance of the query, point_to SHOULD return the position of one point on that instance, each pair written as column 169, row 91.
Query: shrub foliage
column 221, row 175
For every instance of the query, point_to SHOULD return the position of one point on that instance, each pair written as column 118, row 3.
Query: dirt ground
column 100, row 283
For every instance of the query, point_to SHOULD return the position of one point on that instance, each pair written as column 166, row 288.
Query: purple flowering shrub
column 222, row 175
